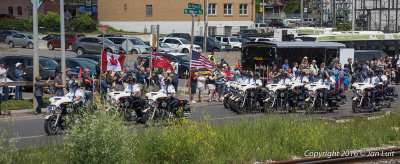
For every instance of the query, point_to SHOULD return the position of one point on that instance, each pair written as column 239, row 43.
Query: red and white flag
column 160, row 61
column 112, row 62
column 199, row 61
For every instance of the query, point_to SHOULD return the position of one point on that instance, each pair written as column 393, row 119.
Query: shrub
column 82, row 23
column 15, row 24
column 50, row 21
column 99, row 138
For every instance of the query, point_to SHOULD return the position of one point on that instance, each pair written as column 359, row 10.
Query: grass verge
column 245, row 141
column 21, row 104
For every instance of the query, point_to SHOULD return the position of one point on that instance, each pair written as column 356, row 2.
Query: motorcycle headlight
column 114, row 47
column 150, row 101
column 321, row 94
column 126, row 103
column 252, row 94
column 282, row 94
column 369, row 94
column 359, row 91
column 241, row 93
column 164, row 104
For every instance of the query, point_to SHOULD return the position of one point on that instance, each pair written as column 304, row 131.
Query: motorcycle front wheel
column 226, row 103
column 240, row 107
column 310, row 109
column 50, row 128
column 268, row 108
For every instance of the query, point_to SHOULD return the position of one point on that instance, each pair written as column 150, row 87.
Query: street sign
column 194, row 6
column 263, row 4
column 194, row 11
column 305, row 10
column 38, row 2
column 104, row 28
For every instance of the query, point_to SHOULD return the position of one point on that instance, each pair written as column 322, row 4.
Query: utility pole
column 35, row 48
column 191, row 35
column 388, row 17
column 301, row 13
column 353, row 15
column 205, row 25
column 263, row 20
column 62, row 28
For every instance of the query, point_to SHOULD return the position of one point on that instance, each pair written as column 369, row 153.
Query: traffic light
column 261, row 9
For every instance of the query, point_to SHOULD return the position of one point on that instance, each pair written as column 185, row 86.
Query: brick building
column 225, row 16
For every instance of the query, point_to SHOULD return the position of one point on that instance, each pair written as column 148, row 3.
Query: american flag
column 199, row 61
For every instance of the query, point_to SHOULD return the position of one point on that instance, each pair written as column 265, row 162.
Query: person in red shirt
column 193, row 85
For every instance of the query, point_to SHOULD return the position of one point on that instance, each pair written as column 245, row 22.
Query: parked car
column 110, row 35
column 97, row 57
column 6, row 33
column 233, row 41
column 135, row 46
column 162, row 47
column 213, row 45
column 262, row 39
column 23, row 40
column 94, row 45
column 276, row 23
column 69, row 41
column 47, row 66
column 6, row 16
column 180, row 60
column 50, row 36
column 11, row 90
column 243, row 40
column 79, row 63
column 309, row 21
column 181, row 44
column 251, row 33
column 180, row 35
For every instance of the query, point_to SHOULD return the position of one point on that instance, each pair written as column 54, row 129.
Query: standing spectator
column 239, row 63
column 294, row 70
column 98, row 69
column 285, row 66
column 3, row 74
column 313, row 70
column 19, row 76
column 147, row 76
column 119, row 80
column 39, row 87
column 88, row 85
column 304, row 65
column 140, row 78
column 346, row 72
column 397, row 69
column 103, row 85
column 58, row 84
column 58, row 68
column 223, row 62
column 175, row 81
column 218, row 83
column 322, row 70
column 350, row 67
column 210, row 81
column 138, row 64
column 201, row 82
column 193, row 85
column 357, row 71
column 365, row 70
column 70, row 82
column 290, row 74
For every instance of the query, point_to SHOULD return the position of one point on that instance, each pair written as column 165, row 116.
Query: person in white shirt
column 325, row 80
column 201, row 85
column 371, row 79
column 302, row 78
column 3, row 80
column 77, row 96
column 382, row 77
column 257, row 81
column 134, row 100
column 285, row 80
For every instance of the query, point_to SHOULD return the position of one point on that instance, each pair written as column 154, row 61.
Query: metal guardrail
column 24, row 83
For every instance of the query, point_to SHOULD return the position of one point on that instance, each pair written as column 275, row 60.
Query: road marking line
column 19, row 138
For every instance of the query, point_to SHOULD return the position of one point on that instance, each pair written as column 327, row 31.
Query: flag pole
column 191, row 52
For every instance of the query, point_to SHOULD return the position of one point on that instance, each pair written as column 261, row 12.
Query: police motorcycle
column 61, row 109
column 134, row 107
column 317, row 100
column 229, row 93
column 297, row 96
column 163, row 107
column 366, row 95
column 234, row 93
column 385, row 93
column 278, row 96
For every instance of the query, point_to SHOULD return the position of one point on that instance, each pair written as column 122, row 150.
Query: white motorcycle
column 60, row 108
column 117, row 100
column 242, row 100
column 277, row 98
column 318, row 99
column 364, row 98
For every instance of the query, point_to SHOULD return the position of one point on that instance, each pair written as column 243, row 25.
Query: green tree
column 50, row 21
column 82, row 23
column 292, row 6
column 344, row 27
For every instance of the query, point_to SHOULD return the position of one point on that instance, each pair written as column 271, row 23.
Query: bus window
column 390, row 46
column 373, row 45
column 359, row 45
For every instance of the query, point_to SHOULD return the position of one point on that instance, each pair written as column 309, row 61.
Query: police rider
column 77, row 96
column 285, row 80
column 382, row 77
column 302, row 78
column 371, row 79
column 170, row 91
column 325, row 80
column 256, row 80
column 134, row 90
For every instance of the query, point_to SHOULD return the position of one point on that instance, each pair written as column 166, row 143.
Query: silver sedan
column 23, row 40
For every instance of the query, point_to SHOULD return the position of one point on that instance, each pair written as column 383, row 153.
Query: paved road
column 28, row 129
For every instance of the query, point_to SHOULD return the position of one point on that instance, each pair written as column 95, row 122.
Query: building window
column 212, row 30
column 149, row 10
column 212, row 9
column 227, row 9
column 243, row 9
column 10, row 10
column 19, row 10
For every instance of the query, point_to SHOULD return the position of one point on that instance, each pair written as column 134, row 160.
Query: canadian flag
column 112, row 62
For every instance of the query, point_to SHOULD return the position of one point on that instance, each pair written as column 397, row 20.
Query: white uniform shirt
column 326, row 82
column 373, row 80
column 73, row 94
column 242, row 80
column 384, row 78
column 201, row 83
column 302, row 79
column 3, row 79
column 170, row 89
column 258, row 82
column 132, row 88
column 286, row 82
